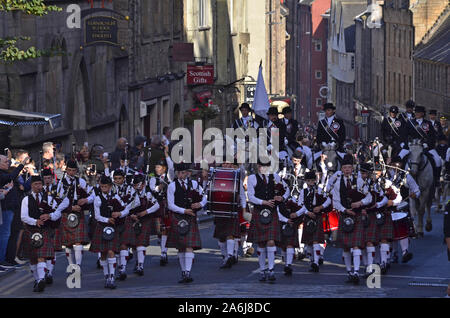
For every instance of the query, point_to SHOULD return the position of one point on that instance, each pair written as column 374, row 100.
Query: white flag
column 261, row 102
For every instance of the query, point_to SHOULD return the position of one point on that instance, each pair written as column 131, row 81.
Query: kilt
column 371, row 232
column 45, row 251
column 355, row 238
column 98, row 244
column 317, row 236
column 127, row 237
column 261, row 233
column 191, row 239
column 290, row 240
column 76, row 235
column 143, row 239
column 57, row 242
column 226, row 227
column 155, row 226
column 386, row 231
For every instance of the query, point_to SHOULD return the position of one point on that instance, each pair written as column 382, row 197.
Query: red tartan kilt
column 180, row 242
column 128, row 236
column 290, row 240
column 76, row 235
column 260, row 233
column 386, row 231
column 317, row 236
column 58, row 239
column 161, row 211
column 143, row 239
column 226, row 227
column 45, row 251
column 98, row 244
column 352, row 239
column 371, row 232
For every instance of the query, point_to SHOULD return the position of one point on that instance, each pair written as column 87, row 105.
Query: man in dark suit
column 275, row 122
column 291, row 128
column 331, row 128
column 394, row 132
column 435, row 123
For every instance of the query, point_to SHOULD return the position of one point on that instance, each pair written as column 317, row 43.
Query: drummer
column 265, row 226
column 227, row 229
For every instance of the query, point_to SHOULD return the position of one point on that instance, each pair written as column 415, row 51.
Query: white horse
column 422, row 171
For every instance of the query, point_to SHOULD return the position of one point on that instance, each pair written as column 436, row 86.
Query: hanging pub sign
column 101, row 30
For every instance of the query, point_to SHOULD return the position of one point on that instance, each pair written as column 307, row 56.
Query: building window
column 202, row 18
column 318, row 74
column 318, row 46
column 318, row 102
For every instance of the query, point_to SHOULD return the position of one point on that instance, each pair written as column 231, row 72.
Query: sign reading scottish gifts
column 200, row 74
column 101, row 30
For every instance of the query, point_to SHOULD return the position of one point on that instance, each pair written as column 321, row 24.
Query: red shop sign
column 200, row 75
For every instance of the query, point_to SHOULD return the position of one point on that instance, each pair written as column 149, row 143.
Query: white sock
column 50, row 265
column 78, row 254
column 356, row 259
column 223, row 249
column 236, row 247
column 384, row 252
column 271, row 250
column 404, row 244
column 347, row 260
column 163, row 243
column 123, row 258
column 370, row 256
column 69, row 255
column 244, row 243
column 316, row 253
column 104, row 264
column 289, row 255
column 302, row 245
column 182, row 261
column 230, row 248
column 41, row 270
column 189, row 258
column 33, row 269
column 99, row 255
column 111, row 266
column 140, row 254
column 322, row 248
column 262, row 258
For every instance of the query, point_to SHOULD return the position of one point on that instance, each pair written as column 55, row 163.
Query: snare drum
column 330, row 221
column 223, row 194
column 401, row 225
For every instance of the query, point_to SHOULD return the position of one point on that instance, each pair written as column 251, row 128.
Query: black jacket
column 424, row 132
column 394, row 133
column 335, row 133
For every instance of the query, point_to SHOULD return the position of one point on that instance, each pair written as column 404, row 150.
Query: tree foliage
column 11, row 47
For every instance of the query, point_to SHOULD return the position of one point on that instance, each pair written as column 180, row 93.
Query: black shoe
column 428, row 226
column 135, row 268
column 383, row 269
column 130, row 256
column 350, row 278
column 164, row 260
column 234, row 260
column 407, row 257
column 228, row 263
column 122, row 276
column 321, row 261
column 314, row 268
column 301, row 256
column 112, row 284
column 140, row 271
column 35, row 286
column 188, row 278
column 7, row 265
column 48, row 279
column 98, row 264
column 41, row 285
column 271, row 276
column 263, row 276
column 183, row 278
column 356, row 278
column 106, row 282
column 288, row 270
column 395, row 258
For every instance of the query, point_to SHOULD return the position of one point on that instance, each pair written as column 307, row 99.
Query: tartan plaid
column 371, row 232
column 57, row 242
column 291, row 240
column 226, row 227
column 98, row 244
column 76, row 235
column 260, row 233
column 155, row 225
column 45, row 251
column 317, row 236
column 143, row 239
column 191, row 239
column 127, row 237
column 386, row 231
column 354, row 238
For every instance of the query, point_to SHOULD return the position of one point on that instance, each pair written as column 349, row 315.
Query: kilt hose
column 98, row 244
column 371, row 232
column 191, row 239
column 226, row 227
column 261, row 233
column 386, row 231
column 317, row 236
column 71, row 236
column 352, row 239
column 47, row 250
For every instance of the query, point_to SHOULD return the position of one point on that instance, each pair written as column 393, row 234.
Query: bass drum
column 401, row 223
column 223, row 194
column 330, row 221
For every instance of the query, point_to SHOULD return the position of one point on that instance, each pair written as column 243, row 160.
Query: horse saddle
column 73, row 220
column 37, row 240
column 108, row 233
column 348, row 225
column 265, row 216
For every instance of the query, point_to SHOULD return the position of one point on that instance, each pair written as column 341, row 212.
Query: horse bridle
column 418, row 163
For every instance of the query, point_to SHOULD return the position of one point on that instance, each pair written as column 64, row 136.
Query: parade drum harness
column 223, row 193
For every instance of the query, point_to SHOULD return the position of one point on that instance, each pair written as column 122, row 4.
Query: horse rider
column 331, row 129
column 394, row 133
column 291, row 128
column 435, row 123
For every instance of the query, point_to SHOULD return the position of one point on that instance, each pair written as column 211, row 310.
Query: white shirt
column 137, row 202
column 251, row 184
column 301, row 202
column 82, row 183
column 98, row 203
column 171, row 195
column 330, row 120
column 337, row 196
column 24, row 211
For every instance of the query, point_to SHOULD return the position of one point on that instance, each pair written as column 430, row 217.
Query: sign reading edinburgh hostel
column 101, row 30
column 200, row 75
